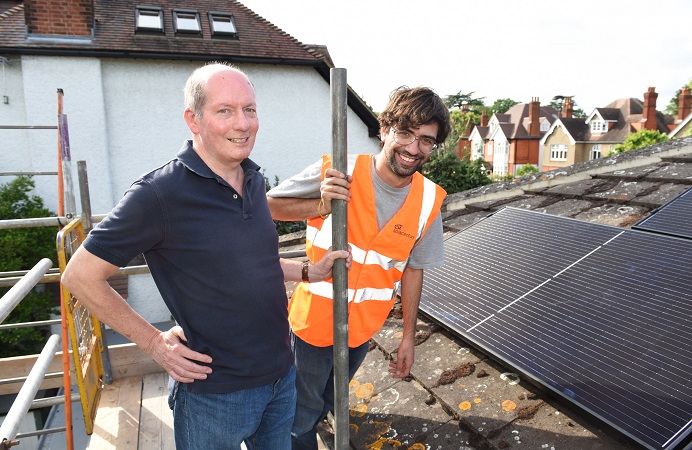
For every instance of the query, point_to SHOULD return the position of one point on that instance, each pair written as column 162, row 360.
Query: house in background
column 478, row 137
column 122, row 66
column 683, row 121
column 512, row 140
column 570, row 141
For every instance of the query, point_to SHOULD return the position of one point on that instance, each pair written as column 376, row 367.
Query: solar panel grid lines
column 595, row 319
column 559, row 350
column 498, row 275
column 674, row 218
column 663, row 304
column 578, row 335
column 601, row 317
column 548, row 360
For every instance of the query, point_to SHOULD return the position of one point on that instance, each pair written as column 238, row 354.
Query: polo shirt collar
column 190, row 159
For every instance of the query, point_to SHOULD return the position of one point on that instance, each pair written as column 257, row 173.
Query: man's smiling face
column 405, row 160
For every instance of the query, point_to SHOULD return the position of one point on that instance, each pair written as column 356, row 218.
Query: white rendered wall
column 144, row 297
column 125, row 118
column 83, row 103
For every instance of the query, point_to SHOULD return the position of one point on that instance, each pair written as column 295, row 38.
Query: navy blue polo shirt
column 214, row 257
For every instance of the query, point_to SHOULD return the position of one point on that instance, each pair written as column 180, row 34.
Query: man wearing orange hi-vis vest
column 394, row 233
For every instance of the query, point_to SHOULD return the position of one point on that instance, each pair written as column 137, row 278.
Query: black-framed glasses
column 426, row 144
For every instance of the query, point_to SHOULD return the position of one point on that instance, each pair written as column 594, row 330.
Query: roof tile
column 114, row 32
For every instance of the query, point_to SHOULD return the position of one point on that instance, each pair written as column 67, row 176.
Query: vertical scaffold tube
column 340, row 275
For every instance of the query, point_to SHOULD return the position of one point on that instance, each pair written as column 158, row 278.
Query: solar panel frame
column 577, row 300
column 673, row 218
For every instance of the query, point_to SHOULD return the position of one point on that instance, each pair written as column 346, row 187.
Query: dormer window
column 149, row 18
column 186, row 21
column 598, row 126
column 222, row 24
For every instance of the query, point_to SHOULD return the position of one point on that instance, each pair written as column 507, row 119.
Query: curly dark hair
column 412, row 107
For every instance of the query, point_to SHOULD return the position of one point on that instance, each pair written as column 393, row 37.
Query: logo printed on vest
column 397, row 230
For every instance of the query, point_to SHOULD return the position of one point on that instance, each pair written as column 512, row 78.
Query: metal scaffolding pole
column 21, row 405
column 16, row 294
column 340, row 276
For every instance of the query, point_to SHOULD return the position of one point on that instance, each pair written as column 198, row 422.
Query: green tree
column 464, row 101
column 558, row 101
column 21, row 249
column 465, row 113
column 462, row 123
column 501, row 106
column 527, row 169
column 455, row 174
column 639, row 139
column 672, row 108
column 283, row 227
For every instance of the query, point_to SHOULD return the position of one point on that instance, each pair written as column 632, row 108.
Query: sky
column 596, row 51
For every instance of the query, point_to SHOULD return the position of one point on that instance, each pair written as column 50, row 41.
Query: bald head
column 195, row 87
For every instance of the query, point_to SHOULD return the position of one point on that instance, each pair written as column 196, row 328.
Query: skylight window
column 186, row 21
column 149, row 18
column 222, row 24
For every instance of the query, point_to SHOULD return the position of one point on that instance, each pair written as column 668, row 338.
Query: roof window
column 149, row 18
column 222, row 24
column 186, row 21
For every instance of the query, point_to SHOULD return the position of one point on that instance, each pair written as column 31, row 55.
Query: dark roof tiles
column 577, row 128
column 114, row 32
column 643, row 179
column 609, row 113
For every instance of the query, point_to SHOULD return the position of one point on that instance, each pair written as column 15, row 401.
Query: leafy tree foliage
column 527, row 169
column 21, row 249
column 465, row 114
column 557, row 103
column 462, row 101
column 639, row 139
column 672, row 108
column 455, row 174
column 501, row 106
column 462, row 123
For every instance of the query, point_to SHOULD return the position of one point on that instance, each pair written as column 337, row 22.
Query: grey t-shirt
column 426, row 254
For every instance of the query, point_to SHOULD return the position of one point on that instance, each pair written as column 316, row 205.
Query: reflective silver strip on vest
column 311, row 233
column 429, row 192
column 323, row 238
column 325, row 289
column 326, row 238
column 384, row 261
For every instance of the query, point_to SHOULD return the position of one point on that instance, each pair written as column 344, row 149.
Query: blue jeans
column 261, row 417
column 315, row 386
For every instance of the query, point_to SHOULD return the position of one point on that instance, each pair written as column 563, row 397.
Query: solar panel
column 673, row 218
column 598, row 315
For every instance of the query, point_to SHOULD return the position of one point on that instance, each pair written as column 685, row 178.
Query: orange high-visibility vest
column 379, row 258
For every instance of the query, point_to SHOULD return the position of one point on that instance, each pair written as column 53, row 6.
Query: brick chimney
column 484, row 118
column 534, row 120
column 567, row 108
column 649, row 116
column 684, row 104
column 74, row 18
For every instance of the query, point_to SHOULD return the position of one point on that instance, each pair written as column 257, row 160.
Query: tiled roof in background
column 616, row 190
column 114, row 33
